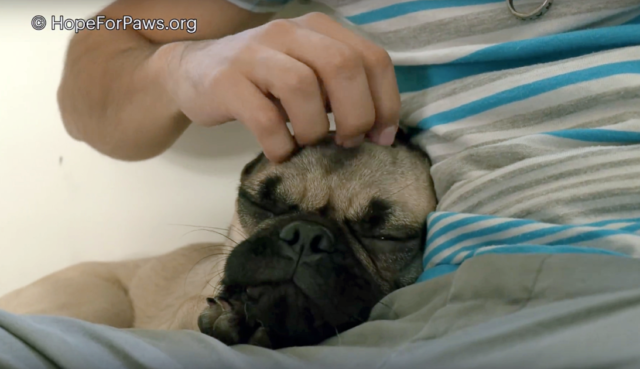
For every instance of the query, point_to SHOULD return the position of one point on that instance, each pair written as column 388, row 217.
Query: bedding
column 531, row 256
column 495, row 311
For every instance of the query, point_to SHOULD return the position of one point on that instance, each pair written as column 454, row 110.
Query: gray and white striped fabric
column 533, row 128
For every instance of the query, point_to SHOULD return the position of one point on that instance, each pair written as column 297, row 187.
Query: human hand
column 288, row 70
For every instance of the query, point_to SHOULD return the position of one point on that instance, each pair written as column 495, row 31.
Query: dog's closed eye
column 267, row 207
column 376, row 224
column 388, row 237
column 245, row 199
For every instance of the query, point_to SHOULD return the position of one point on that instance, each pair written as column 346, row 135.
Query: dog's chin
column 271, row 316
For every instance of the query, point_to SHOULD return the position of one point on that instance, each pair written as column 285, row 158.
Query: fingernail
column 353, row 142
column 286, row 146
column 387, row 136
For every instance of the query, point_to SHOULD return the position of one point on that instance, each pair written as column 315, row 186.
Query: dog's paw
column 228, row 324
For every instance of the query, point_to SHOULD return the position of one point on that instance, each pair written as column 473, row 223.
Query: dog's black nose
column 301, row 234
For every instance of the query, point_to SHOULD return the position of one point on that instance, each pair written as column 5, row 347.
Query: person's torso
column 478, row 82
column 532, row 127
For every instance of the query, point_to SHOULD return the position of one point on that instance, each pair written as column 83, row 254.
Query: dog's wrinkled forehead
column 343, row 181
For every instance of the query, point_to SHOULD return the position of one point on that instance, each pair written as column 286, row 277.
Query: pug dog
column 323, row 237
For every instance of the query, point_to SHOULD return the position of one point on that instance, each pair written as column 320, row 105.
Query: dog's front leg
column 94, row 292
column 187, row 315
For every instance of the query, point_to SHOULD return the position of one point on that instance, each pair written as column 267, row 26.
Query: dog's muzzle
column 296, row 283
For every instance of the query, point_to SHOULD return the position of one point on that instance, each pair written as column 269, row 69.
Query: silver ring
column 536, row 13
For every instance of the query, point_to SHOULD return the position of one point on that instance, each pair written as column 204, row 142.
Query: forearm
column 113, row 94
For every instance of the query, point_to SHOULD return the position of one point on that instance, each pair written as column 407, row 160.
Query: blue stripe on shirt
column 538, row 249
column 526, row 91
column 457, row 224
column 584, row 236
column 397, row 10
column 485, row 231
column 588, row 236
column 517, row 239
column 435, row 218
column 517, row 54
column 612, row 221
column 559, row 46
column 598, row 135
column 454, row 235
column 631, row 228
column 635, row 20
column 444, row 269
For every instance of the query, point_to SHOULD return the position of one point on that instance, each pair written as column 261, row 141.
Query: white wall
column 61, row 202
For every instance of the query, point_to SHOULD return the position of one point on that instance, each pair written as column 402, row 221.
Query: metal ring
column 536, row 13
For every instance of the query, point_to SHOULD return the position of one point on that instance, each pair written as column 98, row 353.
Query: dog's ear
column 403, row 137
column 252, row 165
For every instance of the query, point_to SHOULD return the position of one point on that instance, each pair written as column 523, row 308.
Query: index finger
column 378, row 68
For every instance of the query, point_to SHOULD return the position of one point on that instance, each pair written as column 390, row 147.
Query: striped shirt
column 532, row 127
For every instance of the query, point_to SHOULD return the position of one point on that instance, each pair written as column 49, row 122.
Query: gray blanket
column 495, row 311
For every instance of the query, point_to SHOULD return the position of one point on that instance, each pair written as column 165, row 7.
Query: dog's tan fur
column 165, row 292
column 169, row 291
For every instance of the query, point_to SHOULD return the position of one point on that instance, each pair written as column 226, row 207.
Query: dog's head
column 329, row 233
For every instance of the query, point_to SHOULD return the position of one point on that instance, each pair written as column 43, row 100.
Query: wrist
column 164, row 64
